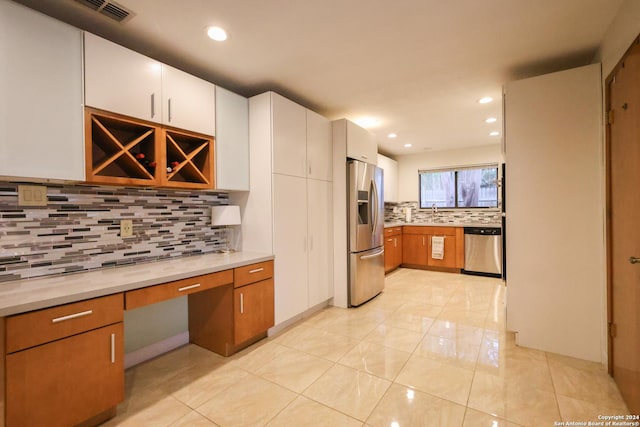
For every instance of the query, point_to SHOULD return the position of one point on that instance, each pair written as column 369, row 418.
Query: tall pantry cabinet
column 289, row 209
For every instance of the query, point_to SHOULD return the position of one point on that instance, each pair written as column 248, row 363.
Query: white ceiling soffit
column 418, row 66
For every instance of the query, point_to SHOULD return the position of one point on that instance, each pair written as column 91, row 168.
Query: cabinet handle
column 241, row 303
column 395, row 242
column 389, row 240
column 309, row 168
column 364, row 157
column 153, row 105
column 113, row 348
column 169, row 105
column 256, row 270
column 423, row 242
column 186, row 288
column 72, row 316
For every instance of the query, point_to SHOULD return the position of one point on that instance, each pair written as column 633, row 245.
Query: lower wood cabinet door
column 68, row 381
column 449, row 259
column 414, row 249
column 253, row 310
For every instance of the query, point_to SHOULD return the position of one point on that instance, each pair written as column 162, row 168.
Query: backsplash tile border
column 79, row 228
column 476, row 216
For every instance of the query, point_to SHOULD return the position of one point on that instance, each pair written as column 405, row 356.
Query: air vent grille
column 108, row 8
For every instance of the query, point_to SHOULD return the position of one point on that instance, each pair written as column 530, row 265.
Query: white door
column 319, row 147
column 232, row 141
column 289, row 137
column 187, row 101
column 120, row 80
column 41, row 118
column 290, row 246
column 320, row 226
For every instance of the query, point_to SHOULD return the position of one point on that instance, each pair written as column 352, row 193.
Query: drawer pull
column 113, row 348
column 186, row 288
column 72, row 316
column 256, row 270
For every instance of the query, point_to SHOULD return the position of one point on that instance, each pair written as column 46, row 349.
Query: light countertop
column 23, row 295
column 442, row 224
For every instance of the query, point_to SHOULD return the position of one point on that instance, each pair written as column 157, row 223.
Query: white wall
column 555, row 212
column 409, row 165
column 623, row 30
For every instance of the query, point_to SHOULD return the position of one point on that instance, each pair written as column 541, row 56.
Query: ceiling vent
column 108, row 8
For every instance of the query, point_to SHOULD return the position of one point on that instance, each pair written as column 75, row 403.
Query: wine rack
column 125, row 151
column 189, row 160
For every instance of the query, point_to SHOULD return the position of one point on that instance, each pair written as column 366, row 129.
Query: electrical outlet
column 126, row 228
column 32, row 195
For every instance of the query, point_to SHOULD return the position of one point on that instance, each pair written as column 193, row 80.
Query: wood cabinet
column 41, row 87
column 392, row 248
column 127, row 151
column 232, row 141
column 65, row 365
column 122, row 81
column 228, row 318
column 417, row 247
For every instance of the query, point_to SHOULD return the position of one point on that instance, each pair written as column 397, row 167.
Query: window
column 469, row 187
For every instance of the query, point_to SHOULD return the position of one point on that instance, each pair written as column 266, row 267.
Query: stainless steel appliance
column 483, row 251
column 365, row 228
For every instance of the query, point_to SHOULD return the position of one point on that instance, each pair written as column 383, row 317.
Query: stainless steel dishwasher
column 483, row 251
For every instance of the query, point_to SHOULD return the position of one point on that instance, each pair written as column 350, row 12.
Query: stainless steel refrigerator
column 366, row 230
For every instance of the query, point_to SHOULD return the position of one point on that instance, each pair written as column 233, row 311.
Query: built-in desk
column 61, row 337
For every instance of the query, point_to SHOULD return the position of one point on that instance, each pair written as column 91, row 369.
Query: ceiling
column 417, row 66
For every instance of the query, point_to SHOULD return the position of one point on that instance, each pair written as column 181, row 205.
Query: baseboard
column 156, row 349
column 295, row 319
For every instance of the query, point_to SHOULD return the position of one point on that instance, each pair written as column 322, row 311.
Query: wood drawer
column 252, row 273
column 392, row 231
column 50, row 324
column 153, row 294
column 430, row 230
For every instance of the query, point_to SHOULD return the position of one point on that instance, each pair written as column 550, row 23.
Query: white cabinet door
column 390, row 168
column 320, row 220
column 120, row 80
column 289, row 137
column 187, row 101
column 361, row 144
column 319, row 147
column 290, row 246
column 41, row 96
column 232, row 141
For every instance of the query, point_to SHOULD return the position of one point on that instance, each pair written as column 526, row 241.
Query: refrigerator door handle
column 374, row 205
column 377, row 254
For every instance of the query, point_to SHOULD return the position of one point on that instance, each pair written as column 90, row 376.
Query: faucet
column 434, row 212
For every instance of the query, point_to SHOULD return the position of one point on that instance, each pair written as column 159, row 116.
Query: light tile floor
column 431, row 350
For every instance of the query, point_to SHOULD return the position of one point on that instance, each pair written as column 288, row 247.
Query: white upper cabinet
column 122, row 81
column 232, row 141
column 41, row 96
column 187, row 101
column 319, row 147
column 289, row 137
column 361, row 144
column 390, row 168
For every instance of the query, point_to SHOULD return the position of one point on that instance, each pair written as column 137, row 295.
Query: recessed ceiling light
column 485, row 100
column 494, row 133
column 491, row 120
column 407, row 145
column 367, row 122
column 392, row 135
column 217, row 34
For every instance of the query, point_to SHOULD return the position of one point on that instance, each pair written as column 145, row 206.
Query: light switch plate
column 32, row 195
column 126, row 228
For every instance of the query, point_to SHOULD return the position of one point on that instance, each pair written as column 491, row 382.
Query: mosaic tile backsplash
column 79, row 229
column 443, row 216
